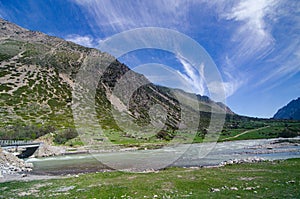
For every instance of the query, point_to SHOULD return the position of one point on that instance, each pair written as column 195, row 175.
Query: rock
column 214, row 190
column 46, row 150
column 28, row 165
column 12, row 165
column 249, row 188
column 290, row 182
column 224, row 187
column 230, row 162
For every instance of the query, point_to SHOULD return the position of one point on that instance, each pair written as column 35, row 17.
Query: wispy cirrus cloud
column 233, row 79
column 81, row 40
column 253, row 35
column 193, row 76
column 252, row 41
column 196, row 79
column 117, row 16
column 259, row 54
column 284, row 68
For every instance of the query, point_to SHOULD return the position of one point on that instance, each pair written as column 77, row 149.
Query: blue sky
column 254, row 44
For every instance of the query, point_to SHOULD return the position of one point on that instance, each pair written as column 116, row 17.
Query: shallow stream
column 194, row 155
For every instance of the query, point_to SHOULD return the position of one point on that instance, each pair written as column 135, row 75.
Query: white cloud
column 219, row 89
column 285, row 68
column 254, row 39
column 119, row 16
column 234, row 79
column 81, row 40
column 250, row 26
column 194, row 77
column 253, row 36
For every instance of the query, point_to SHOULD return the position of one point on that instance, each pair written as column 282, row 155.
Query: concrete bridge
column 22, row 149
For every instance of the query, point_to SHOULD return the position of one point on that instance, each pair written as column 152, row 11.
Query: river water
column 195, row 155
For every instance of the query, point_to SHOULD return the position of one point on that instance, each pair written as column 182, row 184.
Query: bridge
column 22, row 149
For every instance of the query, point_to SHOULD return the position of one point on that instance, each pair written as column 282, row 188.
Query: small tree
column 287, row 133
column 64, row 136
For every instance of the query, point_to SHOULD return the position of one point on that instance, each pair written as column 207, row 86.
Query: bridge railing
column 15, row 142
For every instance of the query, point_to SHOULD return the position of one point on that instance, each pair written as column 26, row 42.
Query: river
column 194, row 155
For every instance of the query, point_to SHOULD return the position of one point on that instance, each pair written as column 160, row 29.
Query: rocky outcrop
column 11, row 165
column 46, row 150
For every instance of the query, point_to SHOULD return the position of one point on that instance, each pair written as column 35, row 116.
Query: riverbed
column 183, row 155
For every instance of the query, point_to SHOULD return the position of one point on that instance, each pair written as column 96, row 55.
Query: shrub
column 63, row 136
column 287, row 133
column 24, row 132
column 165, row 135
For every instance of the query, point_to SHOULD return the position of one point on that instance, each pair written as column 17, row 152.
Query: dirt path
column 238, row 135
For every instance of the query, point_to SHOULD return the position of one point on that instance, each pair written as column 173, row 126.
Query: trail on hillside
column 248, row 131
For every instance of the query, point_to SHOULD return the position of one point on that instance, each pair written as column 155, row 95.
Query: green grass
column 271, row 129
column 280, row 179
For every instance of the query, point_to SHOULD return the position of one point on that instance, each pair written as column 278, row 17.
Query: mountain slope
column 290, row 111
column 38, row 73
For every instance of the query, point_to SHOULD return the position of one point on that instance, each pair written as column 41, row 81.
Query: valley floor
column 277, row 179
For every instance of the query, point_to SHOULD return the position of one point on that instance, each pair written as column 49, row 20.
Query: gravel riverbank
column 14, row 169
column 10, row 166
column 60, row 165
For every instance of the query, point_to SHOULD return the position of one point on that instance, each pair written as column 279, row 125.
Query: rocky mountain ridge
column 38, row 72
column 290, row 111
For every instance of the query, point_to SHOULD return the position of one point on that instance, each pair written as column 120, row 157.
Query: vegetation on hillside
column 37, row 74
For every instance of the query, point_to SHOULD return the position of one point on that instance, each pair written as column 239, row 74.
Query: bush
column 24, row 132
column 63, row 136
column 288, row 133
column 201, row 133
column 165, row 135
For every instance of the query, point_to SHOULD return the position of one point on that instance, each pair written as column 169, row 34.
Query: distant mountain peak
column 290, row 111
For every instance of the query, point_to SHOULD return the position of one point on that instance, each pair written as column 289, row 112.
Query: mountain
column 38, row 76
column 290, row 111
